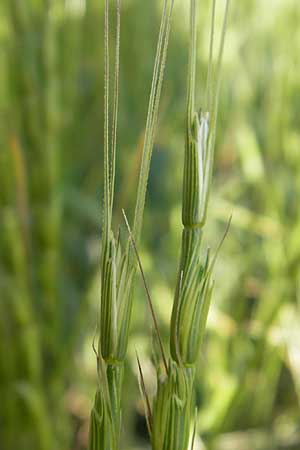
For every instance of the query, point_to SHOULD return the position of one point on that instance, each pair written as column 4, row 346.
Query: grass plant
column 118, row 265
column 247, row 389
column 170, row 418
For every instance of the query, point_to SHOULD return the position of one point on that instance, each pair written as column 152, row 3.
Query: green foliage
column 51, row 186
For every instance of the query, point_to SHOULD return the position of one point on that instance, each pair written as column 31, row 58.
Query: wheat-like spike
column 118, row 268
column 194, row 284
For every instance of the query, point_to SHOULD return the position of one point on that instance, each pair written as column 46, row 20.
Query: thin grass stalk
column 26, row 81
column 9, row 416
column 34, row 239
column 26, row 361
column 37, row 125
column 48, row 216
column 47, row 222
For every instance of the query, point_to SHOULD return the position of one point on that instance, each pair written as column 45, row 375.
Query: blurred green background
column 51, row 110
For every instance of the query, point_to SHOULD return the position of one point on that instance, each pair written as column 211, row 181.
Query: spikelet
column 194, row 284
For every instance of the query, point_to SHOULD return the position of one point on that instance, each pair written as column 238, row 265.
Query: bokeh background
column 51, row 127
